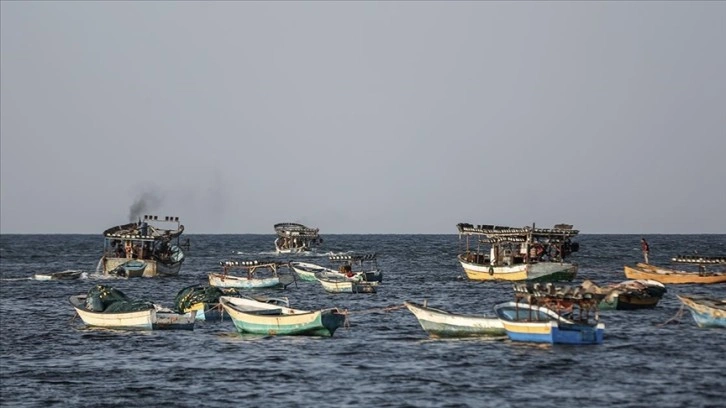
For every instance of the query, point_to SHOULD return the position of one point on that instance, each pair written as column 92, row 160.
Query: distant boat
column 706, row 311
column 288, row 322
column 65, row 275
column 293, row 238
column 671, row 276
column 439, row 323
column 252, row 275
column 148, row 240
column 518, row 254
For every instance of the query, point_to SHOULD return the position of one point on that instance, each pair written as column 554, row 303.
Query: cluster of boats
column 534, row 259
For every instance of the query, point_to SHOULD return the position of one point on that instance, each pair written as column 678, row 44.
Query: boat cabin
column 294, row 237
column 503, row 246
column 153, row 238
column 575, row 303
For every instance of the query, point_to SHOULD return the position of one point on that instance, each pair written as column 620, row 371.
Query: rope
column 377, row 310
column 676, row 317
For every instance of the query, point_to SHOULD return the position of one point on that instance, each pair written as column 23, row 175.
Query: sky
column 363, row 117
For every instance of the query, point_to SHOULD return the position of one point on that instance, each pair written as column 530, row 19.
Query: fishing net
column 194, row 294
column 106, row 299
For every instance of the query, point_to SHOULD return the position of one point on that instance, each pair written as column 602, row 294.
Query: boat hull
column 704, row 311
column 152, row 269
column 67, row 275
column 439, row 323
column 312, row 323
column 536, row 272
column 624, row 301
column 142, row 320
column 306, row 271
column 536, row 324
column 669, row 276
column 228, row 281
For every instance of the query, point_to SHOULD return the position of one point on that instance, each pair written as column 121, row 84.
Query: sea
column 382, row 358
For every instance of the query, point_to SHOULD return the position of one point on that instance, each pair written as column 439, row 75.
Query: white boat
column 334, row 282
column 151, row 319
column 440, row 323
column 65, row 275
column 253, row 275
column 306, row 271
column 363, row 265
column 518, row 254
column 294, row 238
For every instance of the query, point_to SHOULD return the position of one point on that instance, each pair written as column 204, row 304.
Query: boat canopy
column 699, row 260
column 290, row 228
column 145, row 231
column 353, row 258
column 496, row 234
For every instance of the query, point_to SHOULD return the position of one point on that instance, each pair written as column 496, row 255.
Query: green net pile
column 106, row 299
column 194, row 294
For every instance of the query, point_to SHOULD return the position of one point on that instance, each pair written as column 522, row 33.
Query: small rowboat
column 334, row 282
column 65, row 275
column 248, row 319
column 706, row 311
column 439, row 323
column 151, row 319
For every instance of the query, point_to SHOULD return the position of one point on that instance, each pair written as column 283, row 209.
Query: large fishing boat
column 293, row 238
column 517, row 254
column 145, row 248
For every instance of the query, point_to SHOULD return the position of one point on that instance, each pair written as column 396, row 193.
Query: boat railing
column 699, row 260
column 575, row 301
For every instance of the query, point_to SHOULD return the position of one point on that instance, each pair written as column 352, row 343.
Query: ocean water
column 383, row 359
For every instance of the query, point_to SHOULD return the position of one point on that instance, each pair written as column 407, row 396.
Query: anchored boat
column 251, row 275
column 518, row 254
column 673, row 276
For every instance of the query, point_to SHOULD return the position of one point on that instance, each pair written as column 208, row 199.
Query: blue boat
column 706, row 311
column 539, row 324
column 130, row 269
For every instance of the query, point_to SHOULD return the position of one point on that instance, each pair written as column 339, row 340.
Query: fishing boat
column 254, row 275
column 672, row 276
column 306, row 271
column 148, row 248
column 555, row 315
column 706, row 311
column 517, row 254
column 334, row 282
column 628, row 295
column 205, row 301
column 288, row 322
column 65, row 275
column 363, row 266
column 293, row 238
column 109, row 308
column 440, row 323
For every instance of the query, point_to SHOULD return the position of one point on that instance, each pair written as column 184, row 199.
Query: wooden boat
column 530, row 323
column 151, row 319
column 306, row 271
column 439, row 323
column 293, row 238
column 65, row 275
column 544, row 313
column 628, row 295
column 150, row 241
column 205, row 301
column 334, row 282
column 518, row 254
column 257, row 275
column 130, row 269
column 671, row 276
column 706, row 311
column 289, row 322
column 363, row 266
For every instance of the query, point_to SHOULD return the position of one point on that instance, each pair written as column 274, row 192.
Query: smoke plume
column 148, row 201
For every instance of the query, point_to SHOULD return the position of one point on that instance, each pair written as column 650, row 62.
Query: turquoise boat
column 706, row 311
column 259, row 319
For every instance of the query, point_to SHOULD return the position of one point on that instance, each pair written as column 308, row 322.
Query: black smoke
column 148, row 201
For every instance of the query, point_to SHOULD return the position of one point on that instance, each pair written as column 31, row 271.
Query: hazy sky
column 364, row 117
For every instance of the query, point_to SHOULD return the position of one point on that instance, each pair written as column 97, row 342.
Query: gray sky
column 364, row 117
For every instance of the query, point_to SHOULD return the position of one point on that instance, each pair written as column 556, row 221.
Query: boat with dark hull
column 146, row 248
column 518, row 254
